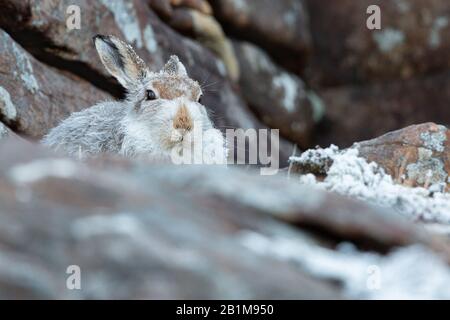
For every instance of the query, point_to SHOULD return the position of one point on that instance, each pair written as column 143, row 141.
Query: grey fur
column 89, row 132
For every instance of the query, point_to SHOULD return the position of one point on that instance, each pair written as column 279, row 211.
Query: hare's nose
column 183, row 120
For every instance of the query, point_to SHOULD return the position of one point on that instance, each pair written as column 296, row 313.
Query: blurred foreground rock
column 141, row 230
column 416, row 155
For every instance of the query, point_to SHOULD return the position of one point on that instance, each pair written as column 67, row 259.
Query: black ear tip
column 98, row 36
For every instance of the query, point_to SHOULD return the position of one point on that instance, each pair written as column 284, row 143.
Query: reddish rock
column 133, row 227
column 416, row 155
column 412, row 40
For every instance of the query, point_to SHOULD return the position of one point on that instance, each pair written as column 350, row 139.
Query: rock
column 34, row 97
column 280, row 27
column 133, row 242
column 193, row 18
column 411, row 41
column 132, row 20
column 416, row 155
column 136, row 230
column 206, row 30
column 362, row 112
column 276, row 96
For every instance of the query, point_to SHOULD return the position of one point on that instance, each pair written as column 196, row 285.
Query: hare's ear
column 175, row 67
column 120, row 60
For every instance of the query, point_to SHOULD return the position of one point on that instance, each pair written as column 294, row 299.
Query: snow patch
column 388, row 39
column 413, row 272
column 8, row 110
column 150, row 39
column 126, row 19
column 221, row 67
column 257, row 59
column 291, row 15
column 318, row 107
column 124, row 224
column 3, row 131
column 435, row 33
column 351, row 175
column 240, row 5
column 289, row 86
column 41, row 169
column 403, row 6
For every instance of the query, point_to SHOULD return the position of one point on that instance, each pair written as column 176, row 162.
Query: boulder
column 280, row 27
column 416, row 155
column 35, row 97
column 411, row 41
column 129, row 241
column 276, row 96
column 132, row 21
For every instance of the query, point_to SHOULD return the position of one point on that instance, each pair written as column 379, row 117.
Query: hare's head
column 163, row 104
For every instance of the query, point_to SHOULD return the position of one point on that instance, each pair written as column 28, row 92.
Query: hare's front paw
column 214, row 147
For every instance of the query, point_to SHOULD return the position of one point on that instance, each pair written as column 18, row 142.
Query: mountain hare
column 161, row 115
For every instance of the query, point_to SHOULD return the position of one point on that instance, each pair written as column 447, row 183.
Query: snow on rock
column 412, row 272
column 351, row 175
column 3, row 131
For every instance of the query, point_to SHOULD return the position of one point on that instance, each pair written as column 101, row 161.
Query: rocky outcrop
column 278, row 97
column 34, row 97
column 136, row 231
column 411, row 41
column 280, row 27
column 72, row 52
column 416, row 155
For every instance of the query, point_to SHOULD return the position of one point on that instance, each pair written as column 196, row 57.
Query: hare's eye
column 200, row 99
column 150, row 95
